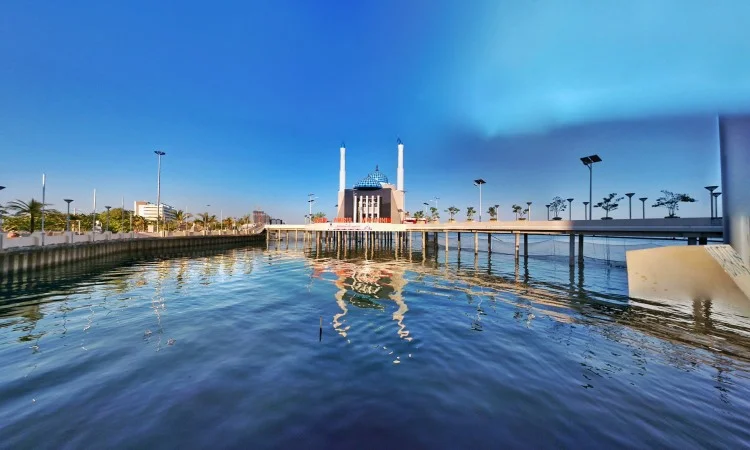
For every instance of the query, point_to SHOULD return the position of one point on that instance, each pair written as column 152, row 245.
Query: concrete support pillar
column 458, row 235
column 489, row 243
column 476, row 242
column 692, row 240
column 518, row 245
column 580, row 248
column 424, row 241
column 525, row 247
column 702, row 241
column 446, row 239
column 572, row 250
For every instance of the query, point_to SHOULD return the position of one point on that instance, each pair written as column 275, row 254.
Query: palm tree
column 181, row 217
column 205, row 220
column 470, row 211
column 452, row 211
column 32, row 209
column 139, row 223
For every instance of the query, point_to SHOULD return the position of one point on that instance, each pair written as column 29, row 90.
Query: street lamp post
column 205, row 221
column 528, row 213
column 630, row 204
column 570, row 208
column 159, row 154
column 67, row 219
column 585, row 211
column 497, row 212
column 643, row 199
column 435, row 199
column 716, row 204
column 479, row 182
column 1, row 224
column 425, row 208
column 711, row 199
column 547, row 205
column 310, row 201
column 107, row 208
column 589, row 161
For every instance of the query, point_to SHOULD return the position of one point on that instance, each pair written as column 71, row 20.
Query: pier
column 401, row 237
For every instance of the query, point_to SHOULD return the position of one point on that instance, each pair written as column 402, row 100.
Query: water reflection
column 365, row 283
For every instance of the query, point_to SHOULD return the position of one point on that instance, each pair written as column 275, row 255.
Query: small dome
column 367, row 183
column 379, row 176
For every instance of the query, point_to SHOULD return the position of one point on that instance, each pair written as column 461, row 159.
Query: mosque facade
column 373, row 198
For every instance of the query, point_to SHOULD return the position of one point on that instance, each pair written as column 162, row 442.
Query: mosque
column 373, row 198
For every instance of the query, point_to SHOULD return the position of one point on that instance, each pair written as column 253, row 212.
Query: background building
column 149, row 211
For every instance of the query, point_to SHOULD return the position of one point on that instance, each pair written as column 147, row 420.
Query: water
column 223, row 349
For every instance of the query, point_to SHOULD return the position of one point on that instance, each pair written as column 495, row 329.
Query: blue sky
column 251, row 100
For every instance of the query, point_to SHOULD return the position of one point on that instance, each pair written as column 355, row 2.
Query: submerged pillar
column 459, row 240
column 580, row 248
column 525, row 247
column 572, row 250
column 734, row 139
column 518, row 245
column 476, row 242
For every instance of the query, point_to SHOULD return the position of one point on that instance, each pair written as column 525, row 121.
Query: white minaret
column 342, row 170
column 400, row 169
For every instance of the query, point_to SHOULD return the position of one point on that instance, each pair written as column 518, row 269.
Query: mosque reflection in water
column 367, row 285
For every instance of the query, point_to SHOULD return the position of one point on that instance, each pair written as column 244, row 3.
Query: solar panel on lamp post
column 630, row 204
column 479, row 182
column 711, row 190
column 589, row 161
column 643, row 199
column 570, row 208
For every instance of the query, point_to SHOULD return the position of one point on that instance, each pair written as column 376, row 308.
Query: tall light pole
column 67, row 219
column 205, row 220
column 425, row 208
column 159, row 154
column 44, row 199
column 630, row 204
column 1, row 224
column 479, row 182
column 570, row 208
column 497, row 212
column 435, row 199
column 310, row 201
column 589, row 161
column 548, row 205
column 107, row 208
column 716, row 204
column 528, row 212
column 711, row 190
column 585, row 210
column 643, row 199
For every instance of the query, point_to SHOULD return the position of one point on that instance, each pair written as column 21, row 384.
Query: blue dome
column 379, row 176
column 367, row 183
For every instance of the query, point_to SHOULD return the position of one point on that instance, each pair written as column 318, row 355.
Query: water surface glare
column 224, row 350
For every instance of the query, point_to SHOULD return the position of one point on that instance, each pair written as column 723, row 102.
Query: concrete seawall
column 16, row 261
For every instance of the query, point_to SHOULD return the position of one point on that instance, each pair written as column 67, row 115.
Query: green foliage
column 419, row 214
column 609, row 203
column 319, row 215
column 492, row 211
column 671, row 201
column 452, row 211
column 519, row 211
column 205, row 221
column 434, row 215
column 557, row 206
column 31, row 211
column 470, row 211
